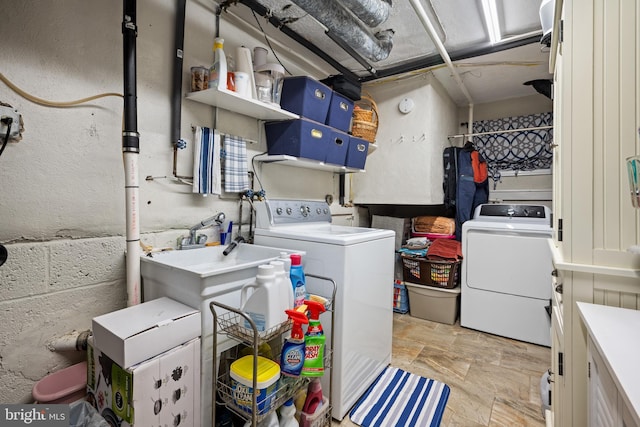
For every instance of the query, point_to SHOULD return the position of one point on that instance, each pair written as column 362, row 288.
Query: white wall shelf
column 299, row 162
column 238, row 104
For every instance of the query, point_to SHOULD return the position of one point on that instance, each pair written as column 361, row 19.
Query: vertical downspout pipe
column 176, row 90
column 131, row 150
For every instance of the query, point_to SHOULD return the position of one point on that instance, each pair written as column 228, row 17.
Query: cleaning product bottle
column 298, row 280
column 284, row 257
column 314, row 398
column 264, row 306
column 283, row 282
column 218, row 71
column 287, row 414
column 314, row 341
column 292, row 356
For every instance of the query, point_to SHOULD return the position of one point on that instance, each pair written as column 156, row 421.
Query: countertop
column 616, row 333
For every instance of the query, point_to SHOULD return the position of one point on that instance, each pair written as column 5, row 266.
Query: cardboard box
column 161, row 391
column 435, row 304
column 137, row 333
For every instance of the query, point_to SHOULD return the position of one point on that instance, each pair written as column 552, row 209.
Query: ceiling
column 490, row 69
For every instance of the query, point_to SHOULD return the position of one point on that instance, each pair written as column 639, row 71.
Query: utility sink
column 190, row 275
column 198, row 276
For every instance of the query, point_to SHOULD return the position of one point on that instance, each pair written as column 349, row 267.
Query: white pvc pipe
column 470, row 123
column 426, row 22
column 132, row 186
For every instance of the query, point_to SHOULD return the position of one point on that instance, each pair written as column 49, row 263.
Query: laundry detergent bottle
column 283, row 281
column 264, row 306
column 298, row 280
column 314, row 341
column 287, row 414
column 292, row 356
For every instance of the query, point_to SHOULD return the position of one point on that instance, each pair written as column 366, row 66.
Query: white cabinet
column 612, row 355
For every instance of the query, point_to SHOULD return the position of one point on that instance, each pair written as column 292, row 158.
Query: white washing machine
column 506, row 272
column 360, row 261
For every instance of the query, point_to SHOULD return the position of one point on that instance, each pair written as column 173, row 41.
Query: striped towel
column 206, row 161
column 234, row 158
column 398, row 398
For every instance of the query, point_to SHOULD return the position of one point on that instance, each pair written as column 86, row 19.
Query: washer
column 506, row 272
column 361, row 262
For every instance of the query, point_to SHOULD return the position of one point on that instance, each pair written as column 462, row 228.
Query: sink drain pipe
column 130, row 152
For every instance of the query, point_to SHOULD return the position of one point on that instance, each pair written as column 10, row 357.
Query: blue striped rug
column 398, row 398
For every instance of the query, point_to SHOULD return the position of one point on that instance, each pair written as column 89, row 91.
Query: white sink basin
column 193, row 272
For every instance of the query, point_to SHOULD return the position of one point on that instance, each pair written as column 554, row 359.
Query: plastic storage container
column 241, row 373
column 357, row 153
column 298, row 138
column 64, row 386
column 437, row 305
column 337, row 148
column 340, row 112
column 307, row 97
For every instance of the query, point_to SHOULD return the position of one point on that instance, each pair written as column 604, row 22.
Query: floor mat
column 399, row 398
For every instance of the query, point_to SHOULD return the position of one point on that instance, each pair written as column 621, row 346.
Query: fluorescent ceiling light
column 491, row 18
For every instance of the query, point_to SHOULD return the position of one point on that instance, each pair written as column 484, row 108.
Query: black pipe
column 130, row 136
column 341, row 184
column 176, row 95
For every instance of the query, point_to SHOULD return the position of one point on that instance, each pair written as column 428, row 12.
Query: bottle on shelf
column 313, row 403
column 287, row 414
column 283, row 282
column 292, row 356
column 314, row 341
column 218, row 71
column 264, row 306
column 298, row 280
column 231, row 79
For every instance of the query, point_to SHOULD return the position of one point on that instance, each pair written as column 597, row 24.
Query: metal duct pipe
column 342, row 24
column 371, row 12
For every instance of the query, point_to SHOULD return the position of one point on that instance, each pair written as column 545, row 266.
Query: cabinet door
column 604, row 410
column 557, row 387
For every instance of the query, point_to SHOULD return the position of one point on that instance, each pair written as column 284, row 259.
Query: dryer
column 506, row 272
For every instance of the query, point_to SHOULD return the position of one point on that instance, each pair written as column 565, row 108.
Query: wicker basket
column 365, row 119
column 440, row 274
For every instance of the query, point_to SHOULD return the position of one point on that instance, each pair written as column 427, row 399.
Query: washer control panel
column 279, row 211
column 512, row 211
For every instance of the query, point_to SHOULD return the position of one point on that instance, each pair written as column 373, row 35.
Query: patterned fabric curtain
column 517, row 151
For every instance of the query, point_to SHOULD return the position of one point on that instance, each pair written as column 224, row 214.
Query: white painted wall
column 406, row 168
column 62, row 212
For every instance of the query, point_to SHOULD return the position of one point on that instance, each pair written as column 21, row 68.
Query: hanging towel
column 234, row 159
column 206, row 161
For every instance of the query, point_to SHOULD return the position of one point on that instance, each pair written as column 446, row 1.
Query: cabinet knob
column 559, row 288
column 554, row 272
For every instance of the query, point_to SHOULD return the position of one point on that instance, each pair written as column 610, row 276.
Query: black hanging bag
column 450, row 178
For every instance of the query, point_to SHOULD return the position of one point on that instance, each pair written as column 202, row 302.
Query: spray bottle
column 218, row 71
column 298, row 280
column 314, row 341
column 292, row 357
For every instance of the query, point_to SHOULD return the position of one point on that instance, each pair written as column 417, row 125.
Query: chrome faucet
column 239, row 239
column 194, row 241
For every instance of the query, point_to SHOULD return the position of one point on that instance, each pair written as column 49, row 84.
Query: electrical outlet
column 15, row 126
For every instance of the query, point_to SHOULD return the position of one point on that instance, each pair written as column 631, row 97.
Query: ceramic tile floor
column 494, row 381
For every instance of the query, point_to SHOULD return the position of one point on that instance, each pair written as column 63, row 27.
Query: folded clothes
column 445, row 249
column 413, row 252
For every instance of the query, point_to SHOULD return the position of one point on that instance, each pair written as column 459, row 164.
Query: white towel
column 234, row 157
column 206, row 161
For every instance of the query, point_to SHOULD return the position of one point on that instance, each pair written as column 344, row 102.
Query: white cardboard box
column 137, row 333
column 161, row 391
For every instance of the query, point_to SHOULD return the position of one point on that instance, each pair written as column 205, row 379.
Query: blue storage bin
column 307, row 97
column 340, row 112
column 357, row 153
column 337, row 148
column 298, row 138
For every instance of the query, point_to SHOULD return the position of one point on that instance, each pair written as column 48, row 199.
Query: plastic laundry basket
column 64, row 386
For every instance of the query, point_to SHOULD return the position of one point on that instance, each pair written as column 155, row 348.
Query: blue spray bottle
column 298, row 280
column 292, row 356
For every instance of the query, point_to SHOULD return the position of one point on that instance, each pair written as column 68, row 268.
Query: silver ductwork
column 341, row 23
column 371, row 12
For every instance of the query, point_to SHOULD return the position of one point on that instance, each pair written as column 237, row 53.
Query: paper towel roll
column 245, row 65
